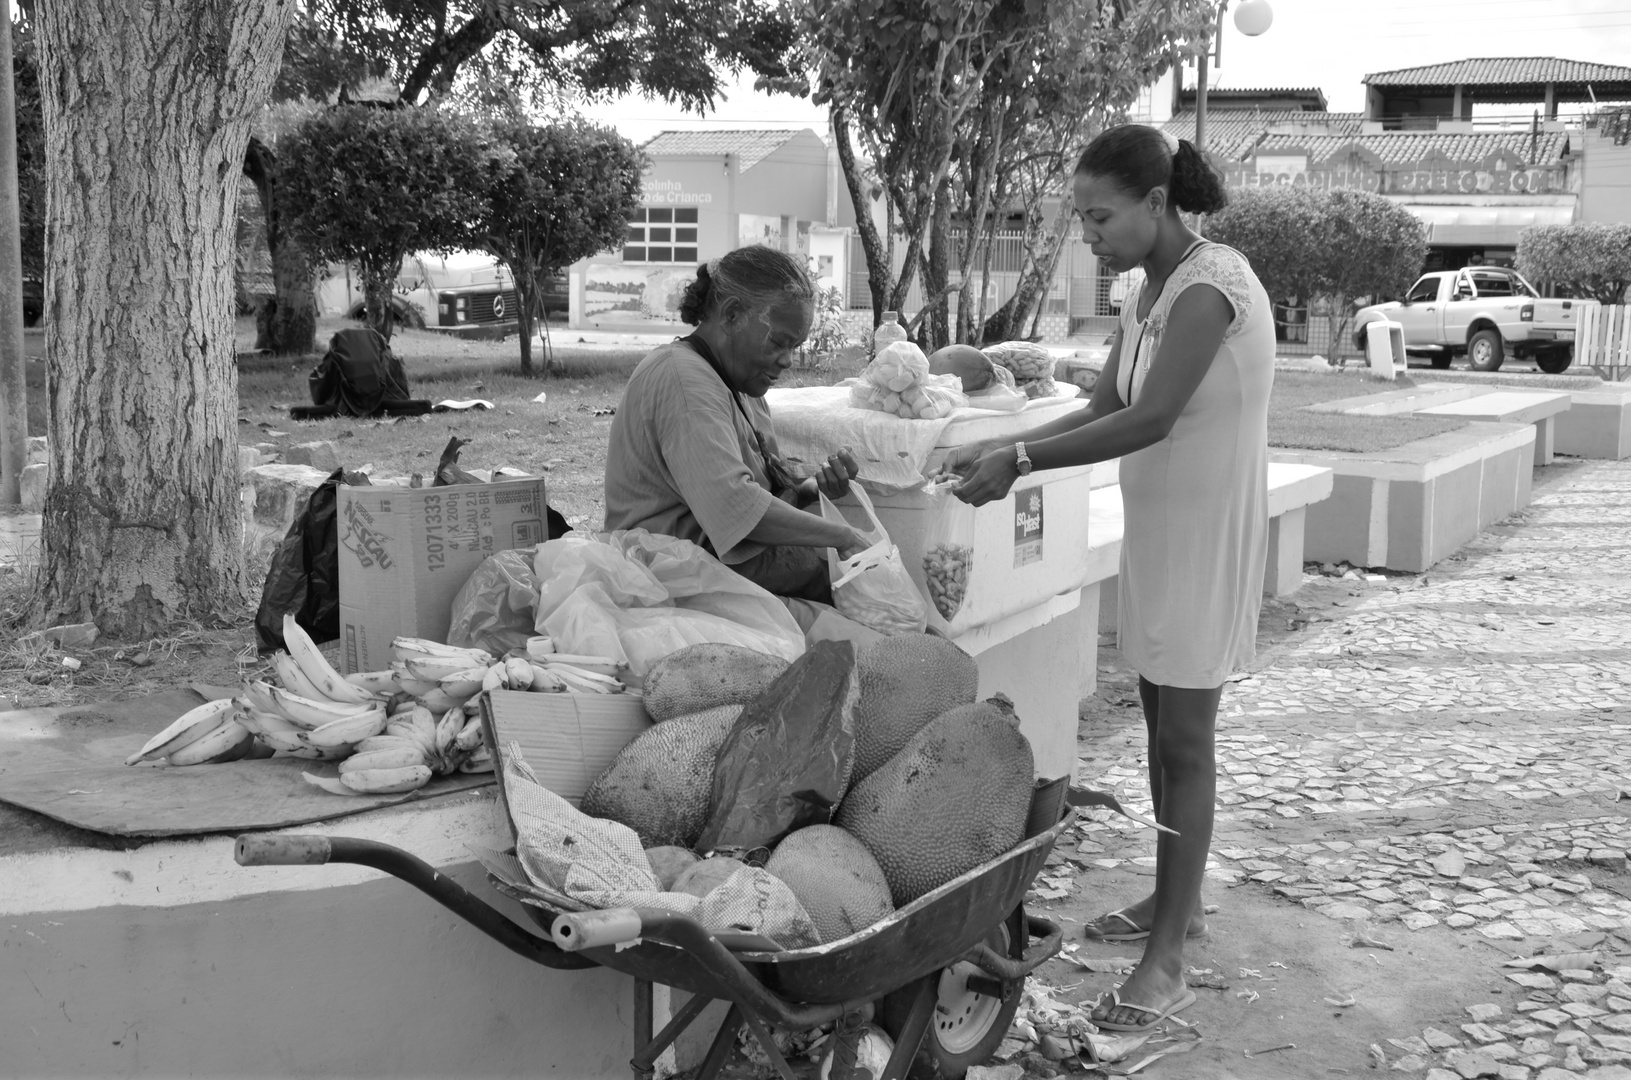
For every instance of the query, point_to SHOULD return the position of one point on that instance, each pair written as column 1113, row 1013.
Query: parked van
column 462, row 292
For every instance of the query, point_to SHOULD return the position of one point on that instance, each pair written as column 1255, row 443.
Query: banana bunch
column 312, row 711
column 213, row 732
column 415, row 745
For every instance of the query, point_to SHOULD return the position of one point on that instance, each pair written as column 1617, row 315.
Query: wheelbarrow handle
column 1010, row 969
column 577, row 930
column 267, row 849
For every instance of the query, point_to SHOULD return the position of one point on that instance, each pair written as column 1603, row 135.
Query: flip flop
column 1134, row 932
column 1157, row 1016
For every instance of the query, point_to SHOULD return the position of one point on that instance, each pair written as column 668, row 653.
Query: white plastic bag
column 872, row 586
column 898, row 382
column 948, row 555
column 638, row 596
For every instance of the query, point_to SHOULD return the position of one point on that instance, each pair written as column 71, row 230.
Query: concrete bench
column 1597, row 425
column 1293, row 488
column 1537, row 407
column 1408, row 507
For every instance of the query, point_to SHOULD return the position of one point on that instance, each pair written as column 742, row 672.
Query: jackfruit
column 669, row 862
column 661, row 784
column 906, row 681
column 967, row 363
column 835, row 877
column 705, row 676
column 956, row 795
column 706, row 875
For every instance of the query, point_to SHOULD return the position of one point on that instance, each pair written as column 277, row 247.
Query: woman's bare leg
column 1182, row 754
column 1141, row 912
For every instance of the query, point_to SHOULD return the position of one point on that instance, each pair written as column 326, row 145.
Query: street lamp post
column 1252, row 17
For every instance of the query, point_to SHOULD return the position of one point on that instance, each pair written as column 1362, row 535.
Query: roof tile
column 1409, row 147
column 1232, row 133
column 751, row 145
column 1501, row 71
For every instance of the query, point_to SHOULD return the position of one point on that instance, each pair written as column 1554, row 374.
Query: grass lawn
column 1293, row 428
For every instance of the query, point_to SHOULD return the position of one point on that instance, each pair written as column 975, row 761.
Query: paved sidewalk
column 1448, row 750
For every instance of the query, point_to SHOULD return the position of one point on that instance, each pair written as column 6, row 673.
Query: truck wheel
column 1485, row 351
column 1555, row 361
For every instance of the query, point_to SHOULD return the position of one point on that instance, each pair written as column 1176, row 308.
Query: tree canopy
column 953, row 100
column 557, row 193
column 1279, row 230
column 369, row 185
column 670, row 49
column 1588, row 260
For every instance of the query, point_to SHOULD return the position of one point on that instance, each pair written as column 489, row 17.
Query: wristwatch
column 1022, row 460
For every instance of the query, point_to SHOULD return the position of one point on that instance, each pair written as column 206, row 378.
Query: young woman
column 692, row 451
column 1183, row 401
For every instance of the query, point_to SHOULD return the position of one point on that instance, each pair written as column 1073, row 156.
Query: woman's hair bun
column 1138, row 158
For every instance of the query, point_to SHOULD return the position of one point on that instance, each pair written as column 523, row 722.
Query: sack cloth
column 304, row 578
column 873, row 586
column 598, row 864
column 358, row 374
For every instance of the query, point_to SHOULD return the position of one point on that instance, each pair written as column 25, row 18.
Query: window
column 1492, row 284
column 661, row 234
column 1423, row 292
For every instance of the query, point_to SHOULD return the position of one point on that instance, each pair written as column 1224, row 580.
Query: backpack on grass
column 359, row 375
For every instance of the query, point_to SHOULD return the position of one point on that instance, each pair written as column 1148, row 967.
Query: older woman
column 1183, row 402
column 693, row 453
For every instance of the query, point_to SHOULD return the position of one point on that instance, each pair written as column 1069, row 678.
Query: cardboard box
column 566, row 739
column 405, row 552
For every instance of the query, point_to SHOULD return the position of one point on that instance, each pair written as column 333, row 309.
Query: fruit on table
column 699, row 677
column 967, row 363
column 1026, row 359
column 835, row 877
column 906, row 681
column 956, row 795
column 945, row 572
column 661, row 784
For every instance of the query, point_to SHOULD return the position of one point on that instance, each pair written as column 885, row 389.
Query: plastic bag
column 304, row 577
column 1000, row 396
column 787, row 760
column 872, row 586
column 639, row 596
column 493, row 609
column 948, row 554
column 898, row 382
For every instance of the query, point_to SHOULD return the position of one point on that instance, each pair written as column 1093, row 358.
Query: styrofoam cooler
column 1028, row 547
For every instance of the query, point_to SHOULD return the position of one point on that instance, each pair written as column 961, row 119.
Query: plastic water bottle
column 888, row 332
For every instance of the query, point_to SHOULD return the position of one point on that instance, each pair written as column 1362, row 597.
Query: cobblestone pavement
column 1468, row 732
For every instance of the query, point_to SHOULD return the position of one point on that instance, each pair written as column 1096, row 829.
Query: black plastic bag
column 304, row 578
column 788, row 758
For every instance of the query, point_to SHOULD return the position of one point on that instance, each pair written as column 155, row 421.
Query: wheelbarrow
column 942, row 975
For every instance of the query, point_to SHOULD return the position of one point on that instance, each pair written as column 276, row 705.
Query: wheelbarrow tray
column 924, row 936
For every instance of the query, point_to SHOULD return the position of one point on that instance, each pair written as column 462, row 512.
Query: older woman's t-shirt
column 682, row 459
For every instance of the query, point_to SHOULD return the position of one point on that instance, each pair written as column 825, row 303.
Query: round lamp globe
column 1253, row 17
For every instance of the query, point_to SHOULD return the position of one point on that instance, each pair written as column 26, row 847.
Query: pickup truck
column 466, row 293
column 1487, row 312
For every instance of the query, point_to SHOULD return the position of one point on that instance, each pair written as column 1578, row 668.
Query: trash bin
column 1384, row 348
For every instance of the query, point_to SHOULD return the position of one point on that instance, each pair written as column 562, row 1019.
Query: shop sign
column 672, row 193
column 1411, row 181
column 1028, row 526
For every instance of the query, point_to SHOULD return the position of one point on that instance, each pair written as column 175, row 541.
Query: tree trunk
column 526, row 296
column 147, row 110
column 878, row 270
column 937, row 272
column 287, row 324
column 376, row 292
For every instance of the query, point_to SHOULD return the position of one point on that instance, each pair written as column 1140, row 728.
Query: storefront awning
column 1491, row 226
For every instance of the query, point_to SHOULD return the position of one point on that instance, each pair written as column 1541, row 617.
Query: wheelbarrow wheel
column 968, row 1024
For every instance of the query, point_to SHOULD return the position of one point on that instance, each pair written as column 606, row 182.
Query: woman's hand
column 854, row 546
column 989, row 478
column 834, row 477
column 962, row 459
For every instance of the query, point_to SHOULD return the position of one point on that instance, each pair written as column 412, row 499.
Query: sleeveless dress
column 1196, row 503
